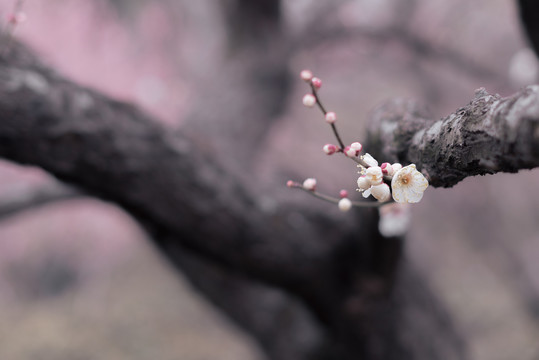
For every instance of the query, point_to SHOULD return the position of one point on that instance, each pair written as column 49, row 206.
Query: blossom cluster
column 390, row 184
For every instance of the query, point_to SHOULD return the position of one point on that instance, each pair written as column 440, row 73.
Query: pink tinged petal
column 356, row 146
column 350, row 152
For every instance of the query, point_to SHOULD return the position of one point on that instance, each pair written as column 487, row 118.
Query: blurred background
column 79, row 279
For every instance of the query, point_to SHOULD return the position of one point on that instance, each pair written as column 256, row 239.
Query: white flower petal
column 408, row 185
column 363, row 183
column 366, row 193
column 381, row 192
column 369, row 160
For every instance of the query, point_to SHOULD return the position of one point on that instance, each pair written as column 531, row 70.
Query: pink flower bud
column 345, row 204
column 387, row 169
column 357, row 147
column 290, row 183
column 330, row 149
column 348, row 151
column 306, row 75
column 343, row 194
column 331, row 117
column 309, row 184
column 317, row 83
column 17, row 18
column 309, row 100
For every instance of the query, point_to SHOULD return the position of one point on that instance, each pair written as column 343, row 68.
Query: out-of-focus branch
column 118, row 153
column 489, row 135
column 416, row 44
column 246, row 92
column 28, row 199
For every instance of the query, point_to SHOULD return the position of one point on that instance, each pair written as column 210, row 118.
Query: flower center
column 405, row 179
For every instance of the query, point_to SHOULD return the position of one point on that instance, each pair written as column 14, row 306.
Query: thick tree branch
column 116, row 152
column 489, row 135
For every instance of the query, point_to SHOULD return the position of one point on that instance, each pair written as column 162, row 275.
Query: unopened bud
column 317, row 83
column 330, row 149
column 348, row 151
column 396, row 167
column 290, row 183
column 17, row 18
column 331, row 117
column 306, row 75
column 309, row 184
column 387, row 169
column 357, row 147
column 345, row 204
column 309, row 100
column 343, row 194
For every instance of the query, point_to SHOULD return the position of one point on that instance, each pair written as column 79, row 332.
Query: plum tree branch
column 490, row 134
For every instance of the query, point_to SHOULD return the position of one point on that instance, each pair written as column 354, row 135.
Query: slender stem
column 337, row 136
column 334, row 200
column 324, row 111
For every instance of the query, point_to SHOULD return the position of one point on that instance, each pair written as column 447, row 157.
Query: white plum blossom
column 381, row 192
column 369, row 160
column 408, row 185
column 394, row 219
column 363, row 183
column 374, row 175
column 345, row 204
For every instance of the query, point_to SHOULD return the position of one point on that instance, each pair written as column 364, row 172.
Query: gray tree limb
column 490, row 134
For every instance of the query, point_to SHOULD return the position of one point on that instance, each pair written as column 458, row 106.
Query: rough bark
column 491, row 134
